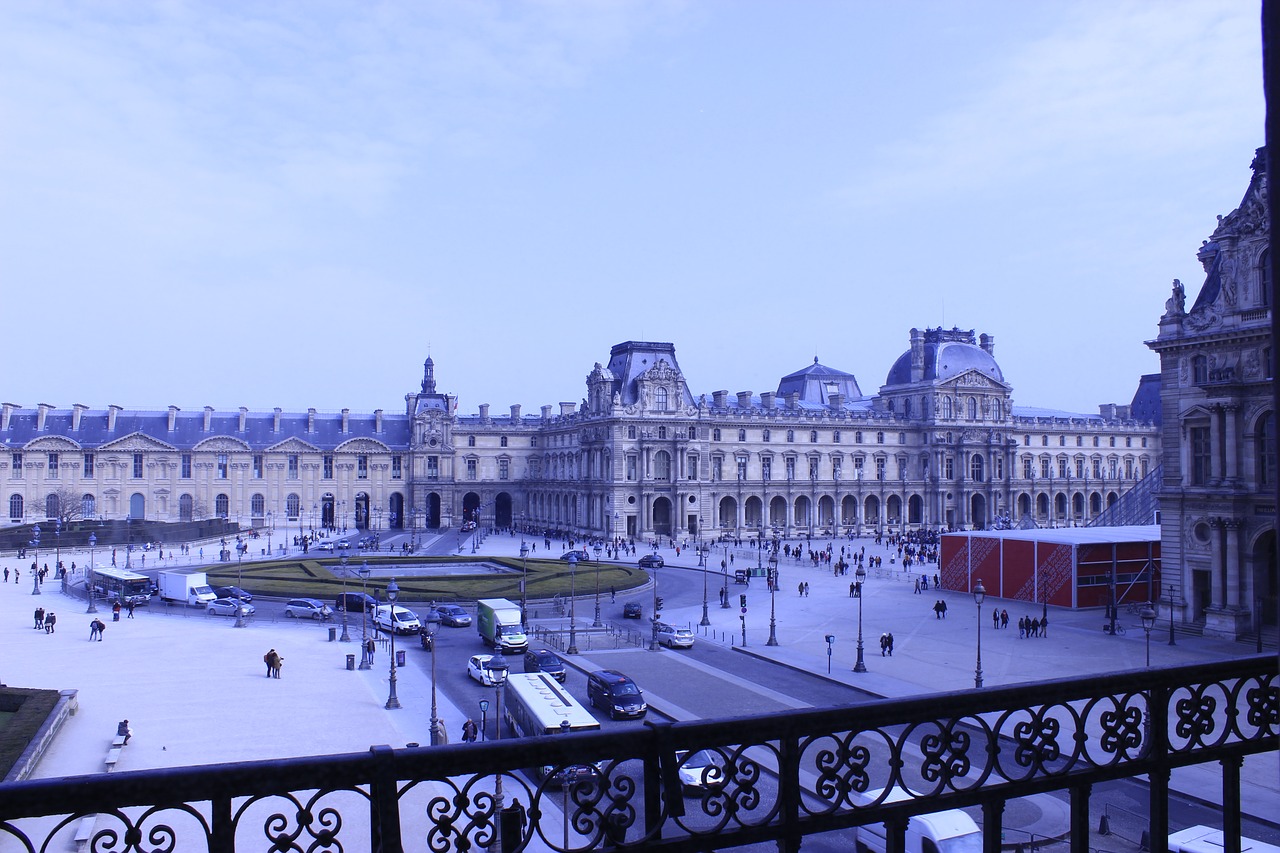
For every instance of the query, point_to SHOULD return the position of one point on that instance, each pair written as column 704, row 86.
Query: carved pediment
column 136, row 442
column 972, row 380
column 363, row 445
column 51, row 443
column 661, row 372
column 222, row 444
column 293, row 445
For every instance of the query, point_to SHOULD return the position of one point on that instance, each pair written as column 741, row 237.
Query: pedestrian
column 39, row 618
column 131, row 605
column 1022, row 627
column 93, row 630
column 115, row 612
column 937, row 582
column 884, row 644
column 1034, row 631
column 853, row 586
column 889, row 638
column 1044, row 625
column 1004, row 618
column 6, row 574
column 270, row 659
column 50, row 619
column 801, row 589
column 917, row 589
column 995, row 618
column 369, row 648
column 613, row 595
column 937, row 609
column 522, row 819
column 275, row 673
column 469, row 731
column 123, row 729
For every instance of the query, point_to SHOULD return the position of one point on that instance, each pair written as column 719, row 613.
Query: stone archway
column 361, row 511
column 727, row 519
column 915, row 510
column 662, row 517
column 433, row 510
column 978, row 512
column 502, row 510
column 470, row 507
column 1266, row 586
column 395, row 508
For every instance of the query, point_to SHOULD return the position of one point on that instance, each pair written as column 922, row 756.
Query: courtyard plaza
column 195, row 688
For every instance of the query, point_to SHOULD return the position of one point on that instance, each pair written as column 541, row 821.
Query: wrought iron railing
column 782, row 776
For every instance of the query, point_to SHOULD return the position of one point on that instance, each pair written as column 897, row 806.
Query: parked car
column 453, row 616
column 651, row 561
column 673, row 637
column 307, row 608
column 324, row 546
column 343, row 543
column 615, row 693
column 574, row 775
column 544, row 660
column 367, row 542
column 701, row 771
column 228, row 607
column 468, row 525
column 632, row 610
column 232, row 592
column 479, row 669
column 354, row 602
column 393, row 617
column 578, row 555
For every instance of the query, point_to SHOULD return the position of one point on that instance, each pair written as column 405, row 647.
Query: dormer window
column 660, row 399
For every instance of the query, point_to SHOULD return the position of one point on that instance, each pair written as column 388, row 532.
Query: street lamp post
column 573, row 610
column 724, row 569
column 597, row 623
column 860, row 576
column 524, row 586
column 773, row 589
column 979, row 595
column 239, row 585
column 653, row 640
column 35, row 565
column 365, row 662
column 484, row 720
column 346, row 605
column 57, row 543
column 93, row 540
column 270, row 530
column 393, row 702
column 702, row 561
column 1148, row 617
column 1172, row 591
column 437, row 728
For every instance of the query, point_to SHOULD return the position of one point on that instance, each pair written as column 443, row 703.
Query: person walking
column 130, row 607
column 1004, row 618
column 1022, row 627
column 39, row 618
column 270, row 659
column 884, row 644
column 369, row 648
column 1044, row 625
column 889, row 643
column 469, row 731
column 50, row 620
column 115, row 612
column 995, row 618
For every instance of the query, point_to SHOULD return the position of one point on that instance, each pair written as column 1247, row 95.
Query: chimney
column 766, row 400
column 546, row 413
column 42, row 413
column 77, row 412
column 744, row 399
column 1108, row 411
column 988, row 344
column 377, row 421
column 484, row 413
column 515, row 414
column 836, row 401
column 793, row 399
column 917, row 355
column 719, row 398
column 567, row 409
column 311, row 421
column 1122, row 412
column 346, row 421
column 112, row 413
column 173, row 417
column 208, row 418
column 243, row 414
column 275, row 421
column 6, row 411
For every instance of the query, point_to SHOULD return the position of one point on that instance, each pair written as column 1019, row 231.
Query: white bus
column 121, row 585
column 537, row 704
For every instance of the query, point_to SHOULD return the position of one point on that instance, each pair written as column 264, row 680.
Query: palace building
column 940, row 445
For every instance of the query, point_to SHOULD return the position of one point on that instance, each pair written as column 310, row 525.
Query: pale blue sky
column 291, row 204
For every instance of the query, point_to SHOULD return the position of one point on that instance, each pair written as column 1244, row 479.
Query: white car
column 673, row 637
column 395, row 618
column 227, row 607
column 701, row 771
column 478, row 668
column 307, row 608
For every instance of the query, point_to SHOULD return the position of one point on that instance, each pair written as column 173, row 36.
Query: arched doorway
column 915, row 510
column 754, row 514
column 778, row 512
column 978, row 512
column 502, row 510
column 728, row 514
column 1024, row 505
column 1266, row 586
column 395, row 508
column 662, row 517
column 471, row 507
column 433, row 510
column 893, row 509
column 137, row 507
column 871, row 510
column 849, row 510
column 362, row 511
column 327, row 511
column 804, row 513
column 827, row 512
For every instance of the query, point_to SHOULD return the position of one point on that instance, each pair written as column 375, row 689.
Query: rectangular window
column 631, row 468
column 362, row 467
column 15, row 466
column 999, row 467
column 257, row 468
column 327, row 467
column 1044, row 468
column 293, row 466
column 52, row 470
column 397, row 467
column 88, row 466
column 472, row 469
column 186, row 466
column 1027, row 470
column 1063, row 471
column 742, row 469
column 502, row 442
column 433, row 467
column 223, row 466
column 880, row 468
column 1080, row 468
column 1199, row 456
column 948, row 467
column 504, row 469
column 137, row 466
column 693, row 466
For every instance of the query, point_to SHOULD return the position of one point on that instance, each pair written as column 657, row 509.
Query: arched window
column 15, row 507
column 222, row 506
column 977, row 469
column 791, row 435
column 715, row 435
column 660, row 399
column 813, row 436
column 1264, row 279
column 257, row 506
column 973, row 408
column 51, row 506
column 857, row 437
column 764, row 436
column 1266, row 433
column 88, row 506
column 879, row 438
column 906, row 407
column 186, row 508
column 997, row 410
column 835, row 437
column 662, row 466
column 946, row 408
column 293, row 506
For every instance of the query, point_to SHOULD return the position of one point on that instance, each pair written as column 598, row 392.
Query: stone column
column 1229, row 413
column 1215, row 444
column 1232, row 529
column 1215, row 562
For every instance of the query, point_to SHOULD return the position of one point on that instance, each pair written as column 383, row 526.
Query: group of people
column 922, row 583
column 273, row 661
column 886, row 644
column 1031, row 627
column 44, row 620
column 96, row 627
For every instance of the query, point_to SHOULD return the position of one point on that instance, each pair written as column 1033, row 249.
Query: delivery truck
column 190, row 586
column 949, row 831
column 498, row 622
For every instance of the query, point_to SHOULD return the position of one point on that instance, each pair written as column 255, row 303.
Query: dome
column 939, row 355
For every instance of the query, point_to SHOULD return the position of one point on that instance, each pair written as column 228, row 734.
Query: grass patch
column 30, row 709
column 311, row 577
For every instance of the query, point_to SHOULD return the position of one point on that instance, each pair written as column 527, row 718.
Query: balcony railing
column 784, row 775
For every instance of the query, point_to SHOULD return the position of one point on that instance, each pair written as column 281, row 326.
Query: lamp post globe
column 393, row 701
column 860, row 577
column 979, row 595
column 773, row 589
column 573, row 610
column 1148, row 617
column 93, row 540
column 346, row 637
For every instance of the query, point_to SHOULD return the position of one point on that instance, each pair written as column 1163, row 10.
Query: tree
column 67, row 503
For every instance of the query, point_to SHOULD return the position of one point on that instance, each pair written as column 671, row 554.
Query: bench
column 113, row 756
column 84, row 830
column 118, row 740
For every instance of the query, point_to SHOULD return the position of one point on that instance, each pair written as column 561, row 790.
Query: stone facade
column 1219, row 433
column 941, row 445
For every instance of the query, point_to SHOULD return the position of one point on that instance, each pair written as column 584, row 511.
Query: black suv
column 544, row 660
column 615, row 693
column 355, row 602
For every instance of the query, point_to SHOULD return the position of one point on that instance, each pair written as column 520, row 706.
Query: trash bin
column 333, row 634
column 399, row 657
column 351, row 661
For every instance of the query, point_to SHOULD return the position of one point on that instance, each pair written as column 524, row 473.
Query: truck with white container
column 949, row 831
column 190, row 586
column 499, row 625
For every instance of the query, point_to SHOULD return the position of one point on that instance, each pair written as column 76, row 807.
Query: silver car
column 673, row 637
column 228, row 606
column 307, row 608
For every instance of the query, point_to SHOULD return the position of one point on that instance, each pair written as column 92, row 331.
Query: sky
column 294, row 204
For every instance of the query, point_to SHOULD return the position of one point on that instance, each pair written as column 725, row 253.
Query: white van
column 395, row 618
column 1204, row 839
column 950, row 831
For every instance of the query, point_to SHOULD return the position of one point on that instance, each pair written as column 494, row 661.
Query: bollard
column 1104, row 825
column 399, row 657
column 351, row 662
column 333, row 634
